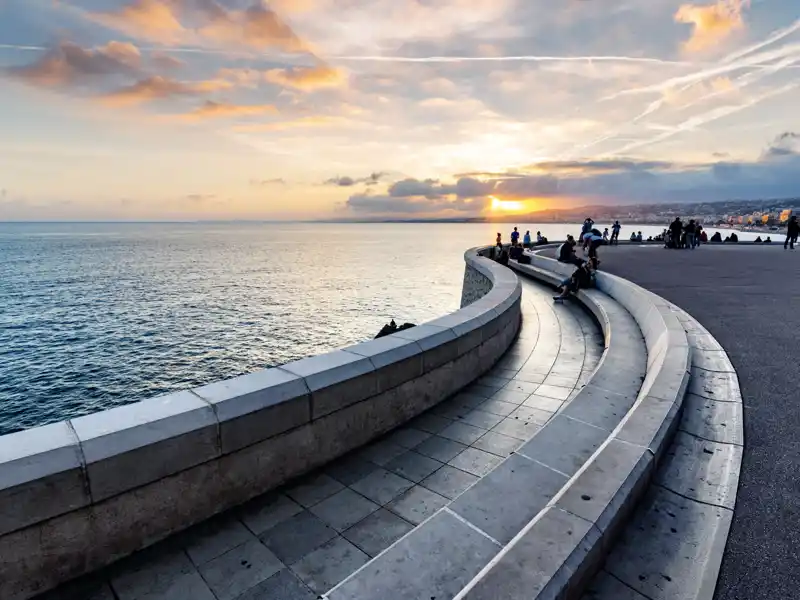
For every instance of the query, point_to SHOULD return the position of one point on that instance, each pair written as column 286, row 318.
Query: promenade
column 299, row 541
column 749, row 299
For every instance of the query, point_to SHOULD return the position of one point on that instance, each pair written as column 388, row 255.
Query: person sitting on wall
column 515, row 252
column 580, row 279
column 758, row 240
column 566, row 252
column 716, row 238
column 734, row 238
column 502, row 256
column 703, row 237
column 768, row 240
column 633, row 236
column 639, row 237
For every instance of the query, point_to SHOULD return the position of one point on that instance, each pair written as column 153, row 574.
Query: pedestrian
column 615, row 229
column 514, row 237
column 526, row 240
column 499, row 240
column 605, row 234
column 792, row 232
column 676, row 229
column 690, row 230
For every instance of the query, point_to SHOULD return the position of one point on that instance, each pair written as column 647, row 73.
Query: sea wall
column 80, row 494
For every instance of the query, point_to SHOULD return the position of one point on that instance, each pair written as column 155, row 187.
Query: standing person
column 676, row 229
column 605, row 234
column 514, row 237
column 499, row 240
column 526, row 240
column 615, row 228
column 698, row 234
column 586, row 228
column 792, row 232
column 690, row 228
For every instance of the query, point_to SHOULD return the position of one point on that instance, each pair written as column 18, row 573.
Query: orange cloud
column 711, row 23
column 157, row 87
column 151, row 19
column 306, row 78
column 211, row 109
column 198, row 21
column 68, row 64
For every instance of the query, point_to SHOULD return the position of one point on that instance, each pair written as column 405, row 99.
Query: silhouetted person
column 615, row 232
column 566, row 252
column 792, row 232
column 758, row 240
column 768, row 240
column 704, row 236
column 690, row 229
column 716, row 238
column 514, row 236
column 734, row 238
column 676, row 229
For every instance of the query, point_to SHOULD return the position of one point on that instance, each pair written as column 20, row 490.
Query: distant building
column 785, row 215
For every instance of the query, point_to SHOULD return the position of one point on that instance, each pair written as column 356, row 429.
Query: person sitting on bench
column 581, row 279
column 566, row 252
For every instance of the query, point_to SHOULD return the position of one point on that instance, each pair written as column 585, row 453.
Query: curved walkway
column 298, row 542
column 747, row 297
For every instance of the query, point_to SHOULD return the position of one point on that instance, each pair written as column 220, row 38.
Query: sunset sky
column 256, row 109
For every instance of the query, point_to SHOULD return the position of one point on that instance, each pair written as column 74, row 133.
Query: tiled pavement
column 298, row 542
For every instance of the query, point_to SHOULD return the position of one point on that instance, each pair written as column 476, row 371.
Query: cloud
column 68, row 64
column 786, row 144
column 371, row 179
column 301, row 123
column 306, row 78
column 172, row 22
column 158, row 87
column 265, row 182
column 211, row 109
column 711, row 23
column 155, row 20
column 385, row 205
column 465, row 187
column 165, row 62
column 200, row 197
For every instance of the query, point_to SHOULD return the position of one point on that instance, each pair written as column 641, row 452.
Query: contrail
column 523, row 58
column 775, row 36
column 707, row 117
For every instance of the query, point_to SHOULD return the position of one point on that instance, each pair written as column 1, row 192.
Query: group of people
column 684, row 235
column 526, row 240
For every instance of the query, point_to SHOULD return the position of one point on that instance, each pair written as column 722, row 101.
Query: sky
column 315, row 109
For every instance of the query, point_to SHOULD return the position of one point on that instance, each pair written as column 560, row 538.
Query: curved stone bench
column 80, row 494
column 537, row 525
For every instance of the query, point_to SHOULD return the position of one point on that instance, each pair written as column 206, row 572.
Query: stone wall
column 476, row 285
column 77, row 495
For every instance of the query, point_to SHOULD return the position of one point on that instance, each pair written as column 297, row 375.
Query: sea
column 97, row 315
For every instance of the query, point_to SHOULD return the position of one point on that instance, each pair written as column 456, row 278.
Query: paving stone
column 493, row 380
column 510, row 396
column 330, row 564
column 672, row 547
column 543, row 555
column 497, row 443
column 417, row 504
column 425, row 564
column 240, row 569
column 440, row 448
column 532, row 377
column 521, row 430
column 430, row 423
column 378, row 531
column 187, row 585
column 506, row 499
column 523, row 387
column 482, row 419
column 554, row 391
column 351, row 468
column 702, row 470
column 151, row 573
column 214, row 537
column 408, row 437
column 313, row 489
column 268, row 510
column 713, row 420
column 565, row 444
column 344, row 509
column 381, row 452
column 284, row 585
column 565, row 381
column 531, row 415
column 482, row 390
column 461, row 432
column 413, row 466
column 449, row 481
column 382, row 486
column 507, row 373
column 542, row 403
column 86, row 588
column 475, row 461
column 499, row 407
column 296, row 537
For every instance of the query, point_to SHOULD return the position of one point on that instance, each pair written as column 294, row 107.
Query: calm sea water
column 98, row 315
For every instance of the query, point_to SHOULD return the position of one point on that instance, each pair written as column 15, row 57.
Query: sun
column 506, row 205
